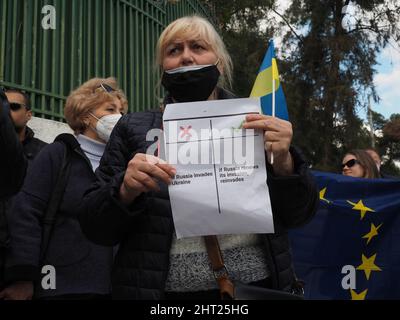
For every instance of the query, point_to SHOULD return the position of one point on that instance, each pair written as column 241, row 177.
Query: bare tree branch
column 376, row 30
column 288, row 24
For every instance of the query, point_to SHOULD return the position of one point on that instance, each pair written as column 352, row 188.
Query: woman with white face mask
column 82, row 268
column 92, row 111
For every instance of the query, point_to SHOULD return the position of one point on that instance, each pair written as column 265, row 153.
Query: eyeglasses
column 104, row 87
column 16, row 106
column 350, row 163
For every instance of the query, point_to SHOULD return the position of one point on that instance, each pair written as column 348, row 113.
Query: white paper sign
column 221, row 181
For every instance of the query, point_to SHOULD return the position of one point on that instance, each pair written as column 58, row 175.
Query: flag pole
column 371, row 123
column 273, row 105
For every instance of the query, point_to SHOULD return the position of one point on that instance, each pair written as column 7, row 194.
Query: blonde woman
column 130, row 202
column 82, row 268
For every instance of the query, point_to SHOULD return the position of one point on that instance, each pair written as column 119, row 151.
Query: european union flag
column 351, row 249
column 263, row 86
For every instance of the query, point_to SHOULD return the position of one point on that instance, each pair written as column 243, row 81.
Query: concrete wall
column 47, row 130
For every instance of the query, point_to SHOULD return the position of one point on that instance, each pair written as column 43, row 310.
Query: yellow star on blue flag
column 358, row 296
column 336, row 251
column 263, row 86
column 322, row 195
column 368, row 265
column 361, row 207
column 372, row 233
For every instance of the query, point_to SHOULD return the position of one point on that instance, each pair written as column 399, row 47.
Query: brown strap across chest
column 221, row 275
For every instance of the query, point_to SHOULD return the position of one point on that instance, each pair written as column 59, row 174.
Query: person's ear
column 86, row 121
column 29, row 115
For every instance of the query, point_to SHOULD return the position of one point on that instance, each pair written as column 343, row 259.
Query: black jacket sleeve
column 294, row 198
column 13, row 163
column 26, row 214
column 103, row 217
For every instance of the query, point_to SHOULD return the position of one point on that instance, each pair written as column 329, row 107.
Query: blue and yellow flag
column 263, row 86
column 351, row 248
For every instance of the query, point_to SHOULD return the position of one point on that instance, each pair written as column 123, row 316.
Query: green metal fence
column 92, row 38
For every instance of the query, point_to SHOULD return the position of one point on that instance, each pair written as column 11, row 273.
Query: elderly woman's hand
column 142, row 174
column 278, row 135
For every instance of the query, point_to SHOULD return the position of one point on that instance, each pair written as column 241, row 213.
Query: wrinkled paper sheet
column 221, row 181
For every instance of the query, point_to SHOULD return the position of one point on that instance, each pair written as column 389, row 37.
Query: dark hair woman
column 359, row 164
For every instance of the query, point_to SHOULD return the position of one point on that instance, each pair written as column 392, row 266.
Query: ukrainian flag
column 263, row 86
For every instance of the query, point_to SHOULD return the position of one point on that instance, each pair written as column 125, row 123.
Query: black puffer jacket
column 12, row 161
column 32, row 145
column 81, row 266
column 13, row 164
column 144, row 229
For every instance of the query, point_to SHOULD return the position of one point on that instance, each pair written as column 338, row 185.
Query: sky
column 386, row 80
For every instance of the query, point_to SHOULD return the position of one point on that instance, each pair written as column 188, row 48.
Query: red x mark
column 185, row 132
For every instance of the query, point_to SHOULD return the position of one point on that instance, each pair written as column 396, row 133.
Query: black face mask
column 191, row 85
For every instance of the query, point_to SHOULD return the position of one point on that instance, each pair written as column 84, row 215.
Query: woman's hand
column 278, row 135
column 142, row 174
column 21, row 290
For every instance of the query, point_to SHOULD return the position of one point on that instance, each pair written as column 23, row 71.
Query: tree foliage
column 239, row 22
column 327, row 71
column 390, row 142
column 329, row 75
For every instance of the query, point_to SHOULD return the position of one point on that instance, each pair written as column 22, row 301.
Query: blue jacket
column 81, row 266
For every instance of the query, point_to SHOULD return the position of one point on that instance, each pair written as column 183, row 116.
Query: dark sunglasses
column 350, row 163
column 104, row 87
column 17, row 106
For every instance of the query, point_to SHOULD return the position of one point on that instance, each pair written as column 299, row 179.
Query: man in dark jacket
column 21, row 113
column 19, row 147
column 12, row 170
column 12, row 161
